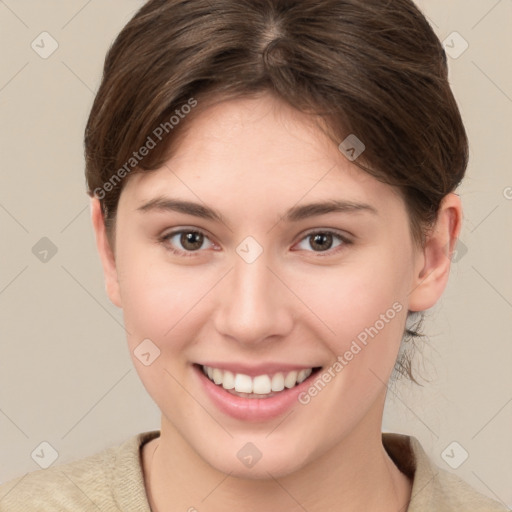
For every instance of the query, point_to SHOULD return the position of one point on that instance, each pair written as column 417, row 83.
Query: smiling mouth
column 260, row 386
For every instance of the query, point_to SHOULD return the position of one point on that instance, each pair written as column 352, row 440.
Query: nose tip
column 252, row 305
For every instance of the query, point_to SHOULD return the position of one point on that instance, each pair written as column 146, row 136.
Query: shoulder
column 434, row 488
column 109, row 480
column 456, row 494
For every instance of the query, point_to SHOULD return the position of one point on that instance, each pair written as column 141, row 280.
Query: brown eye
column 185, row 242
column 191, row 240
column 323, row 241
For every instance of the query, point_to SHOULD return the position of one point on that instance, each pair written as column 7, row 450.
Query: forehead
column 259, row 150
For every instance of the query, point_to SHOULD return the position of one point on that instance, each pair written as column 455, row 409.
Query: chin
column 243, row 459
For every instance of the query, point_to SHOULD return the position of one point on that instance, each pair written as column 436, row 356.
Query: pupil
column 192, row 240
column 320, row 240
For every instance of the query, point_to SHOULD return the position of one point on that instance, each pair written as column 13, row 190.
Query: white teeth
column 303, row 375
column 228, row 381
column 243, row 383
column 278, row 382
column 260, row 385
column 291, row 379
column 217, row 375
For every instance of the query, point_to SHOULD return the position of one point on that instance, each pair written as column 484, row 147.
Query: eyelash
column 345, row 241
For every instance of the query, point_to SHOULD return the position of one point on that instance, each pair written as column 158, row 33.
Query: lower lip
column 252, row 409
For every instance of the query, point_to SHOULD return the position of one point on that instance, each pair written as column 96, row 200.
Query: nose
column 254, row 305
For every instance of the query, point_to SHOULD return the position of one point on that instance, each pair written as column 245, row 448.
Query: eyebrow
column 294, row 214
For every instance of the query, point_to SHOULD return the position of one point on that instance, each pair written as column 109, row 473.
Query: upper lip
column 253, row 370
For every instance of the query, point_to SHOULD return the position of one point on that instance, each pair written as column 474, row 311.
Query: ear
column 433, row 261
column 105, row 252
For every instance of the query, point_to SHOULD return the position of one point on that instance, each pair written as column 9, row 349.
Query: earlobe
column 105, row 252
column 434, row 261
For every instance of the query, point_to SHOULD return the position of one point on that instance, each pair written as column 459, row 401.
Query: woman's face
column 267, row 285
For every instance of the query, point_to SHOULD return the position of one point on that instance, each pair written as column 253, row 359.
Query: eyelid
column 342, row 234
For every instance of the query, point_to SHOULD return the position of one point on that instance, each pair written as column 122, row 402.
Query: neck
column 357, row 474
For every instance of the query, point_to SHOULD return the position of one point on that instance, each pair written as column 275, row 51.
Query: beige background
column 65, row 373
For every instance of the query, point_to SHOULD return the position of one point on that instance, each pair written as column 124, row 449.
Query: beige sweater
column 112, row 481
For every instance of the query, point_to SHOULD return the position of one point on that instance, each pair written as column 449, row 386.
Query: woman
column 272, row 192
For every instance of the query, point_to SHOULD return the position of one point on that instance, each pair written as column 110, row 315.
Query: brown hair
column 365, row 67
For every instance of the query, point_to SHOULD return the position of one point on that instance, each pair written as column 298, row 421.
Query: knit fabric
column 112, row 481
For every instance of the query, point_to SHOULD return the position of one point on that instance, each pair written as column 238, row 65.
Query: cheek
column 362, row 301
column 160, row 303
column 158, row 298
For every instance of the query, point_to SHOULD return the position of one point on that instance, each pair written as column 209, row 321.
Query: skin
column 252, row 160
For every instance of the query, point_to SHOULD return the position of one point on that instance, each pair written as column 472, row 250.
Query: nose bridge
column 252, row 306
